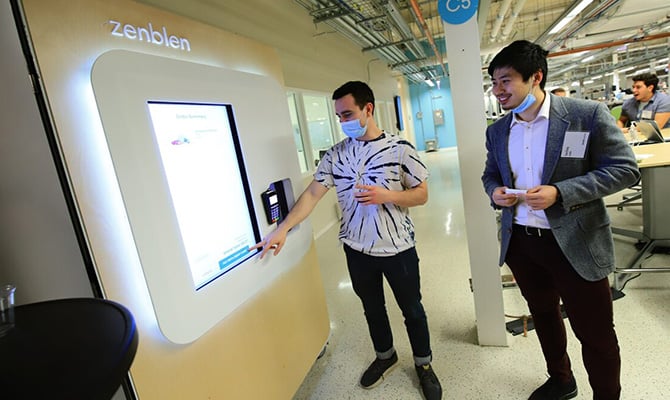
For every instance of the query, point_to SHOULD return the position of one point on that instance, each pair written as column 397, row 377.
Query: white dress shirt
column 526, row 147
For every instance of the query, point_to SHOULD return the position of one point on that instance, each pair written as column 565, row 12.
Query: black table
column 67, row 349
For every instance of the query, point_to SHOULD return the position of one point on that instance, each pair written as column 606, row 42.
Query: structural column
column 465, row 75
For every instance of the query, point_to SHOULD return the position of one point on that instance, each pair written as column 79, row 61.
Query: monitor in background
column 397, row 104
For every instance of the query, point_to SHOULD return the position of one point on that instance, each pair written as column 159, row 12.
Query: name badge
column 574, row 145
column 646, row 114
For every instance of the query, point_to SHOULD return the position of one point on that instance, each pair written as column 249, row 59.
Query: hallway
column 466, row 370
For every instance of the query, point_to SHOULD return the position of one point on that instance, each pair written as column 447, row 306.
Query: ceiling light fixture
column 571, row 15
column 429, row 82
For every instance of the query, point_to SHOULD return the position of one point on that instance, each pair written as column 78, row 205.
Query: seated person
column 559, row 91
column 646, row 103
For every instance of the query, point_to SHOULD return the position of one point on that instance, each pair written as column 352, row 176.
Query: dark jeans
column 402, row 274
column 545, row 277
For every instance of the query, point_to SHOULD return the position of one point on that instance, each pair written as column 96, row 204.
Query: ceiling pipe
column 419, row 16
column 621, row 64
column 347, row 24
column 574, row 26
column 594, row 15
column 547, row 11
column 516, row 10
column 500, row 16
column 610, row 44
column 605, row 53
column 560, row 81
column 391, row 54
column 630, row 59
column 345, row 20
column 482, row 15
column 404, row 29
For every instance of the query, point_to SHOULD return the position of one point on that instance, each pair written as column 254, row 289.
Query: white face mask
column 353, row 128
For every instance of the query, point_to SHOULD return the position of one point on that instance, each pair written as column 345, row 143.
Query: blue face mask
column 525, row 104
column 353, row 128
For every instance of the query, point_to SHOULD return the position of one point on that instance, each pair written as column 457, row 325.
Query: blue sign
column 456, row 12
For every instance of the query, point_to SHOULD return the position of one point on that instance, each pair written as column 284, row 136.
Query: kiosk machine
column 145, row 154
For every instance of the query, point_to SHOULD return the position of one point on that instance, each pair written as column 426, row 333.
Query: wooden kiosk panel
column 273, row 334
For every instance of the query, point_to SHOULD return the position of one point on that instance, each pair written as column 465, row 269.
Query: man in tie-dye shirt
column 377, row 178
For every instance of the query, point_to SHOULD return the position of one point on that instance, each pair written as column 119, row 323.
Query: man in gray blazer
column 550, row 161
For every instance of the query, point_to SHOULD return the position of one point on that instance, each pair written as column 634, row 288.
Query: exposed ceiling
column 409, row 34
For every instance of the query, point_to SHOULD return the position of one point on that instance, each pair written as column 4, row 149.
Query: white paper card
column 574, row 145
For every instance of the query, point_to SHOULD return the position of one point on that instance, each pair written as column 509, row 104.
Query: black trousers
column 545, row 277
column 402, row 273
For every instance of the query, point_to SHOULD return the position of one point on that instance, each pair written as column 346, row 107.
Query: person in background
column 561, row 156
column 559, row 91
column 377, row 177
column 647, row 103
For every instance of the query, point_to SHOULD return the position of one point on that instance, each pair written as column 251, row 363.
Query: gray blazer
column 579, row 220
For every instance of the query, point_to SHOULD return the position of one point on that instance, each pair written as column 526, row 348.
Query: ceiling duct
column 424, row 27
column 404, row 33
column 376, row 26
column 591, row 14
column 516, row 10
column 500, row 17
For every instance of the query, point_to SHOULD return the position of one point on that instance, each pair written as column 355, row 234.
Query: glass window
column 381, row 117
column 317, row 115
column 297, row 133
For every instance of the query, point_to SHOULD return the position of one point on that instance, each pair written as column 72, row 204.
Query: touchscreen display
column 204, row 168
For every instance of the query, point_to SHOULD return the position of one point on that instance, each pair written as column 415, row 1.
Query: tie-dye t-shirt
column 388, row 161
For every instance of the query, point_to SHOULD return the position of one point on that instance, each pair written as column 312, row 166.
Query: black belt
column 531, row 230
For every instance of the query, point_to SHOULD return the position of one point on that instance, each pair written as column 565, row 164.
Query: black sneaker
column 555, row 390
column 374, row 375
column 430, row 386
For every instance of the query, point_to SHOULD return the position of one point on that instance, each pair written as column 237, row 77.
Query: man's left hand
column 541, row 197
column 370, row 194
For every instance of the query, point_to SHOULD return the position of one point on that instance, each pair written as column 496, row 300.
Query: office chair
column 627, row 199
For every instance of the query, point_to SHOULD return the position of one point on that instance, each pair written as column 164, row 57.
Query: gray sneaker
column 375, row 373
column 430, row 386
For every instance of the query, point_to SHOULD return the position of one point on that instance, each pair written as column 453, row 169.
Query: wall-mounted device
column 271, row 206
column 438, row 117
column 276, row 200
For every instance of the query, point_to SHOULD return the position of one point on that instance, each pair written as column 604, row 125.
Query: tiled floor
column 468, row 371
